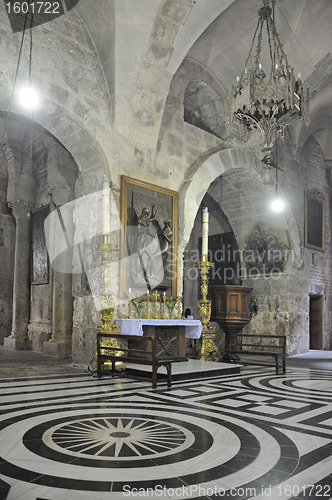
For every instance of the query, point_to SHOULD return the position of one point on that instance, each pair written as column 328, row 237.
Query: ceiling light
column 28, row 98
column 277, row 205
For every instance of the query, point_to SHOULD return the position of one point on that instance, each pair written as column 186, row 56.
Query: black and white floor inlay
column 117, row 438
column 250, row 435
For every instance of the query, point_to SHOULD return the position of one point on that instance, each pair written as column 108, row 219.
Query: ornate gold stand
column 106, row 298
column 130, row 314
column 178, row 305
column 156, row 296
column 148, row 316
column 164, row 307
column 208, row 351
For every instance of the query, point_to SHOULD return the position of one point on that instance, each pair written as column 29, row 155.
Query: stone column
column 21, row 288
column 62, row 311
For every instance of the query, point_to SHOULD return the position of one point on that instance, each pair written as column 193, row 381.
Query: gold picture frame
column 315, row 220
column 149, row 243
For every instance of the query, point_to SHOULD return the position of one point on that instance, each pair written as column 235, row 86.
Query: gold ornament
column 164, row 307
column 179, row 307
column 156, row 296
column 208, row 349
column 106, row 297
column 148, row 306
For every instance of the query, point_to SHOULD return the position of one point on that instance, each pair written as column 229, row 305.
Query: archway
column 267, row 245
column 41, row 176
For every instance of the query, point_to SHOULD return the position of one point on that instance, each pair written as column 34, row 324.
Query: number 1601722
column 33, row 8
column 311, row 490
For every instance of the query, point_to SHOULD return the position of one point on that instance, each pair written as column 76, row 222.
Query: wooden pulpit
column 230, row 308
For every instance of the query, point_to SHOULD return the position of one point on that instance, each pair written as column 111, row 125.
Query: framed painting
column 39, row 256
column 315, row 220
column 149, row 244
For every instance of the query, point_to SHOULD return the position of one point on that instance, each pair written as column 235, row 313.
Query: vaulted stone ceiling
column 217, row 34
column 226, row 28
column 304, row 27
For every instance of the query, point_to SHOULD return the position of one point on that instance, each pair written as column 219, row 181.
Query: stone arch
column 75, row 104
column 63, row 128
column 75, row 137
column 240, row 161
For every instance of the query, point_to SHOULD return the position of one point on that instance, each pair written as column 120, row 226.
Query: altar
column 170, row 334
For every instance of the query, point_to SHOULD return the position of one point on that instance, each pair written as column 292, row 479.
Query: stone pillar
column 21, row 288
column 62, row 311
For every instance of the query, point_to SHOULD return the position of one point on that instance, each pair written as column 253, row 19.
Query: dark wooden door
column 316, row 322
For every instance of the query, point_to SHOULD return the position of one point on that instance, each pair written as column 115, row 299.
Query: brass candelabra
column 164, row 307
column 106, row 298
column 208, row 349
column 148, row 316
column 156, row 296
column 178, row 305
column 129, row 305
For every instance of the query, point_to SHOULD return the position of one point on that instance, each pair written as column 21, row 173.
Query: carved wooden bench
column 259, row 345
column 130, row 349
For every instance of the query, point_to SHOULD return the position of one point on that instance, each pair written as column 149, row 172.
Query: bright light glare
column 28, row 98
column 278, row 205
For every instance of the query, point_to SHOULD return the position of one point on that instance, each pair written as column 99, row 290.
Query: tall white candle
column 106, row 207
column 205, row 231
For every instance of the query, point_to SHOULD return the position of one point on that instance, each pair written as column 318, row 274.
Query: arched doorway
column 223, row 249
column 316, row 303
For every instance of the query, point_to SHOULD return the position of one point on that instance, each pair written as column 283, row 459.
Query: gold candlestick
column 129, row 304
column 106, row 297
column 156, row 296
column 148, row 306
column 208, row 347
column 164, row 307
column 179, row 307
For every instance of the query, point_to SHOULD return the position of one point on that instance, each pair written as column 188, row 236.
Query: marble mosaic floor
column 249, row 435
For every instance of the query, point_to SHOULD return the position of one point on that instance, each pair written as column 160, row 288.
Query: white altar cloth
column 193, row 327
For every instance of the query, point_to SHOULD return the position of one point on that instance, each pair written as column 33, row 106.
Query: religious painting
column 39, row 258
column 315, row 220
column 265, row 254
column 149, row 216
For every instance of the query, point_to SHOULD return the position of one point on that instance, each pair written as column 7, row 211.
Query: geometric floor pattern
column 250, row 435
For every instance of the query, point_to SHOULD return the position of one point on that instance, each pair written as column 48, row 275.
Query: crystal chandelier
column 268, row 98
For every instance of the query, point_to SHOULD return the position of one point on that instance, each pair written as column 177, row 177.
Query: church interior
column 171, row 157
